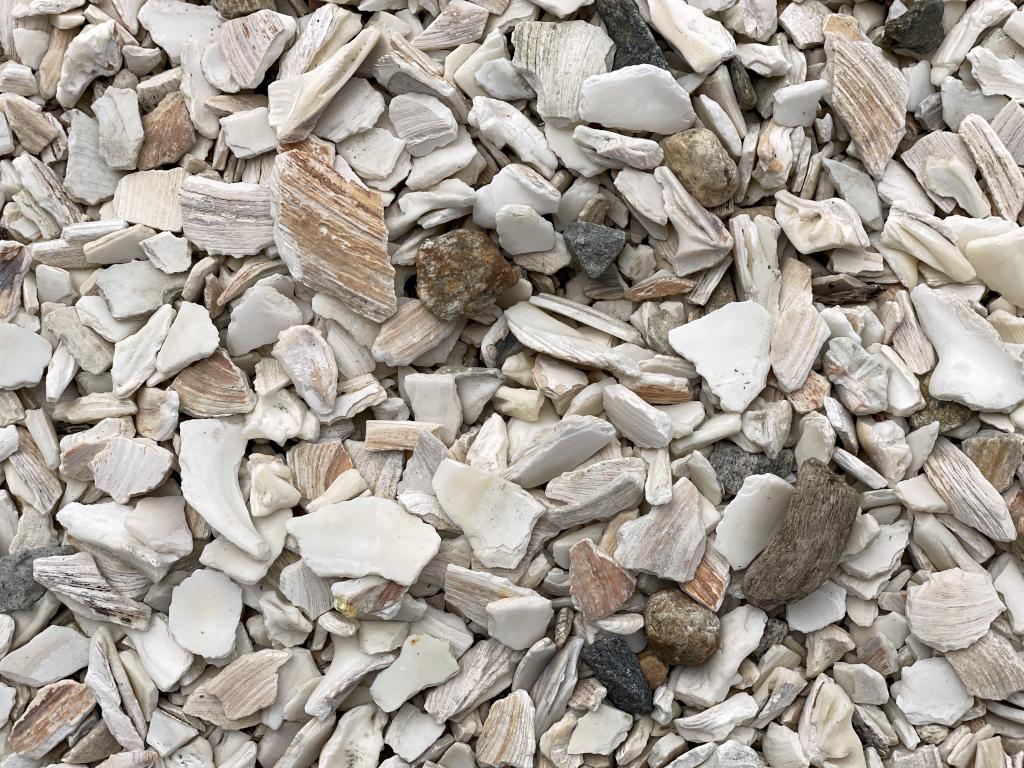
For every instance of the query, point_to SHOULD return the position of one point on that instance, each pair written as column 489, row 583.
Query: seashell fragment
column 76, row 581
column 969, row 598
column 252, row 43
column 969, row 495
column 999, row 171
column 210, row 455
column 668, row 541
column 249, row 683
column 870, row 96
column 52, row 715
column 555, row 59
column 507, row 737
column 230, row 219
column 331, row 234
column 365, row 536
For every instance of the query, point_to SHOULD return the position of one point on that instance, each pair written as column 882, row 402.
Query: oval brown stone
column 680, row 630
column 702, row 165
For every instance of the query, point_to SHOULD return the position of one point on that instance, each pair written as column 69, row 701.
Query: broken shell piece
column 507, row 737
column 668, row 541
column 555, row 59
column 330, row 232
column 423, row 663
column 969, row 598
column 819, row 225
column 249, row 683
column 204, row 612
column 53, row 714
column 730, row 349
column 210, row 455
column 702, row 42
column 77, row 581
column 251, row 44
column 365, row 536
column 661, row 105
column 496, row 515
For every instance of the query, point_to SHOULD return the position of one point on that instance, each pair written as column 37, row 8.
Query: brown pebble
column 460, row 272
column 702, row 165
column 680, row 630
column 655, row 670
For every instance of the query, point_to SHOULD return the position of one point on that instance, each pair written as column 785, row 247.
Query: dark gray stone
column 594, row 246
column 919, row 30
column 634, row 43
column 18, row 590
column 746, row 96
column 734, row 465
column 618, row 669
column 775, row 631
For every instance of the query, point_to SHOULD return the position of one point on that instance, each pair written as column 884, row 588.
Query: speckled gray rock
column 733, row 465
column 919, row 30
column 775, row 631
column 996, row 454
column 634, row 43
column 594, row 246
column 702, row 165
column 618, row 669
column 18, row 589
column 680, row 630
column 950, row 415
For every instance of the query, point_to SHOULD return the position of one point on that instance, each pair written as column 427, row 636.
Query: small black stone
column 733, row 465
column 594, row 246
column 919, row 30
column 634, row 43
column 746, row 96
column 18, row 589
column 618, row 669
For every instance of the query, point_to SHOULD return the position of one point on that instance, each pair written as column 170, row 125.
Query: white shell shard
column 701, row 239
column 162, row 657
column 730, row 348
column 702, row 42
column 104, row 526
column 505, row 125
column 26, row 356
column 348, row 666
column 813, row 226
column 296, row 103
column 365, row 536
column 952, row 609
column 95, row 52
column 496, row 515
column 210, row 455
column 975, row 367
column 573, row 440
column 251, row 44
column 205, row 609
column 930, row 692
column 752, row 518
column 599, row 732
column 996, row 260
column 423, row 663
column 717, row 722
column 709, row 683
column 172, row 23
column 641, row 97
column 55, row 653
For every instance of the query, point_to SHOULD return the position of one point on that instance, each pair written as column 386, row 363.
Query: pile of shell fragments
column 511, row 383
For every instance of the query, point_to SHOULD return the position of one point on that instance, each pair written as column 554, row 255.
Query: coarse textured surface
column 511, row 383
column 806, row 549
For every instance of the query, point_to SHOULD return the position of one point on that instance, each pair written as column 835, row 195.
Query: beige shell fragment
column 599, row 585
column 305, row 356
column 870, row 96
column 669, row 540
column 331, row 234
column 507, row 737
column 249, row 683
column 297, row 102
column 229, row 219
column 77, row 582
column 129, row 467
column 52, row 715
column 970, row 497
column 555, row 59
column 952, row 609
column 1002, row 177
